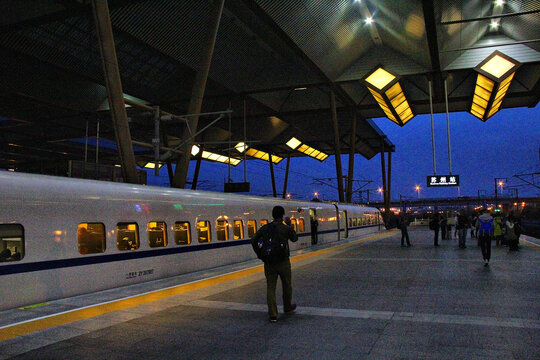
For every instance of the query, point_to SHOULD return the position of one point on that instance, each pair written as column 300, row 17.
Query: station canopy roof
column 274, row 64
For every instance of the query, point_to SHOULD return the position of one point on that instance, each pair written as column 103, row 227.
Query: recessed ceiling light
column 369, row 20
column 494, row 24
column 499, row 2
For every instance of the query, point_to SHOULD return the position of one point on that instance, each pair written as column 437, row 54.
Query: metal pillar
column 432, row 129
column 286, row 177
column 351, row 159
column 197, row 169
column 197, row 94
column 114, row 90
column 155, row 140
column 339, row 172
column 272, row 175
column 169, row 163
column 383, row 166
column 389, row 183
column 448, row 127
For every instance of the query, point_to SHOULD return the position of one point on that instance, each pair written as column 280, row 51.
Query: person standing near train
column 271, row 244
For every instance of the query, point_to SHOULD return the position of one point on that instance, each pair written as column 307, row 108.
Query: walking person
column 517, row 231
column 434, row 225
column 497, row 229
column 450, row 221
column 403, row 222
column 443, row 223
column 462, row 224
column 484, row 226
column 511, row 233
column 271, row 244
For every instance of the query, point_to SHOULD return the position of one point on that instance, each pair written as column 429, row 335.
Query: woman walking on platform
column 484, row 227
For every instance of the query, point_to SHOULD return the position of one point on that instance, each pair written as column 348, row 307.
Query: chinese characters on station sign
column 443, row 180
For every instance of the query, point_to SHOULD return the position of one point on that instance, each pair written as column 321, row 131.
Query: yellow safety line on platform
column 46, row 322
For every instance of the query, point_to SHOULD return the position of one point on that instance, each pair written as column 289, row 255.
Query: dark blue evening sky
column 505, row 145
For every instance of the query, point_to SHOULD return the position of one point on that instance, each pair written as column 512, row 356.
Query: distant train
column 63, row 237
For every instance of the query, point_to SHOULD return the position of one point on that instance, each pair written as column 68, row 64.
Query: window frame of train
column 294, row 225
column 99, row 238
column 160, row 227
column 178, row 233
column 222, row 228
column 208, row 231
column 237, row 222
column 12, row 233
column 301, row 225
column 253, row 228
column 126, row 232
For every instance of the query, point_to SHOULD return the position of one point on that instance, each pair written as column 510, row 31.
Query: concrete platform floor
column 374, row 300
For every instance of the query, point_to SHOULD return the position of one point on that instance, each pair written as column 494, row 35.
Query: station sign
column 237, row 187
column 442, row 180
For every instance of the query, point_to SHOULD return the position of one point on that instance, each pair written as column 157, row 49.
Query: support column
column 339, row 172
column 197, row 169
column 286, row 177
column 115, row 93
column 197, row 94
column 389, row 183
column 383, row 179
column 351, row 159
column 169, row 163
column 272, row 175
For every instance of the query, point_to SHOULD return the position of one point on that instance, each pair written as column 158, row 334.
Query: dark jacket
column 284, row 233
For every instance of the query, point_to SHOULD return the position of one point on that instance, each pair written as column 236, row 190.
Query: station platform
column 366, row 299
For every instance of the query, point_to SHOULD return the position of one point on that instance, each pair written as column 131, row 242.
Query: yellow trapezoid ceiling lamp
column 387, row 91
column 257, row 154
column 495, row 74
column 210, row 156
column 296, row 144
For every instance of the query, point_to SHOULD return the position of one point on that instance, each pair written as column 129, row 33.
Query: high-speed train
column 62, row 237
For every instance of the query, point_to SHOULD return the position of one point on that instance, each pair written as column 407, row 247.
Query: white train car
column 63, row 237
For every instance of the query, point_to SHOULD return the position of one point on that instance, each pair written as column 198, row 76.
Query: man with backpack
column 484, row 226
column 271, row 245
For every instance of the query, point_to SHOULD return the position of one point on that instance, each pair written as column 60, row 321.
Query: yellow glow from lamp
column 294, row 143
column 497, row 66
column 380, row 78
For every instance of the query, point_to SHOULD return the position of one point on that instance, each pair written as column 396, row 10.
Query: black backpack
column 269, row 248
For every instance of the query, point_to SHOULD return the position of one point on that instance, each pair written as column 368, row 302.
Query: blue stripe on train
column 130, row 255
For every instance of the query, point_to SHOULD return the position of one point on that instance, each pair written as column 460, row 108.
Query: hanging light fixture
column 387, row 91
column 296, row 144
column 210, row 156
column 257, row 154
column 495, row 74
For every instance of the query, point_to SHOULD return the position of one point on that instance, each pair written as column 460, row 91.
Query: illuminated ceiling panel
column 296, row 144
column 257, row 154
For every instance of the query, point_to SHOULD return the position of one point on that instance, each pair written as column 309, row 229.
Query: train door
column 314, row 225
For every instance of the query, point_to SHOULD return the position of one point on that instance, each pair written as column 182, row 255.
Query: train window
column 263, row 222
column 11, row 242
column 238, row 229
column 293, row 223
column 301, row 226
column 157, row 234
column 350, row 222
column 127, row 236
column 203, row 231
column 91, row 238
column 252, row 227
column 222, row 230
column 355, row 222
column 182, row 233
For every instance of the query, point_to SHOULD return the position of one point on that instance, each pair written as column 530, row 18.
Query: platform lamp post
column 499, row 182
column 380, row 192
column 417, row 188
